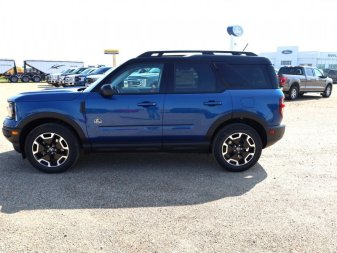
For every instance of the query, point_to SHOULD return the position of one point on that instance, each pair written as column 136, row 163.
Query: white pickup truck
column 295, row 81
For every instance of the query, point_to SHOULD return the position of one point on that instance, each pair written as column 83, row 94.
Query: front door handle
column 147, row 104
column 212, row 103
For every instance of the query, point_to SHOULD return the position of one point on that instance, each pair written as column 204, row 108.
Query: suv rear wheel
column 237, row 147
column 52, row 148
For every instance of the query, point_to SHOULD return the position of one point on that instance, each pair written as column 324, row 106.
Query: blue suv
column 222, row 102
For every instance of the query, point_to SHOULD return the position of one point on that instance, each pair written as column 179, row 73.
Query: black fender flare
column 55, row 116
column 234, row 117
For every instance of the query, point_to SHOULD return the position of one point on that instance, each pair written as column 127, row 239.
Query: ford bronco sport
column 222, row 102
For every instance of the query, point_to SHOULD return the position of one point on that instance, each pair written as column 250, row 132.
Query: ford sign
column 287, row 52
column 235, row 30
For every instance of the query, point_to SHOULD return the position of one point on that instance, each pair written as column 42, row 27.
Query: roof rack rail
column 203, row 52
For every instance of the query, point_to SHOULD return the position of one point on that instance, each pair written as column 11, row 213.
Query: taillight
column 281, row 105
column 282, row 81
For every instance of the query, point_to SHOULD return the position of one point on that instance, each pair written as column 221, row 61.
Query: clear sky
column 81, row 29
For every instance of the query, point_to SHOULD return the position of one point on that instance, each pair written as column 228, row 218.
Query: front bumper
column 13, row 135
column 274, row 134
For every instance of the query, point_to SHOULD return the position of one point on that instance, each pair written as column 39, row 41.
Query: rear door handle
column 147, row 104
column 212, row 103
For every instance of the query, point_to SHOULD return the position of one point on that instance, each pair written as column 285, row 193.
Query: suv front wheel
column 237, row 147
column 327, row 91
column 52, row 148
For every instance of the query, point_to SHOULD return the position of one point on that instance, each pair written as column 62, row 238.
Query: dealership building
column 285, row 56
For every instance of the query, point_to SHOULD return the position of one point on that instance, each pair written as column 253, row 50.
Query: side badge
column 98, row 121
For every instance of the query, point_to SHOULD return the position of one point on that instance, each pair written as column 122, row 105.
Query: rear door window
column 194, row 78
column 245, row 76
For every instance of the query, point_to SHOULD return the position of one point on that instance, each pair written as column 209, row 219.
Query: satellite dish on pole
column 234, row 31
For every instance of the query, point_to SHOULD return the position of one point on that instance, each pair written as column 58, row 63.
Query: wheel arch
column 297, row 84
column 42, row 118
column 244, row 118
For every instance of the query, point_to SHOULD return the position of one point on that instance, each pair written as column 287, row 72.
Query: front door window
column 139, row 79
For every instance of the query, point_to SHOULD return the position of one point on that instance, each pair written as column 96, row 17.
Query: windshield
column 154, row 70
column 87, row 71
column 100, row 71
column 67, row 71
column 78, row 71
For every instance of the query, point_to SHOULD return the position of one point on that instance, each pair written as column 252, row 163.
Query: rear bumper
column 274, row 134
column 13, row 138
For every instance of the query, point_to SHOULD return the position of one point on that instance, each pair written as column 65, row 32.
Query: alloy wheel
column 50, row 149
column 238, row 149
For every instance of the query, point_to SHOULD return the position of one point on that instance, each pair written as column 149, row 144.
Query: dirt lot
column 179, row 202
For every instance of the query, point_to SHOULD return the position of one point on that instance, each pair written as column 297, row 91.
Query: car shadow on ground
column 306, row 97
column 124, row 180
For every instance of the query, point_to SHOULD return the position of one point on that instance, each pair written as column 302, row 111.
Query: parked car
column 69, row 79
column 295, row 81
column 53, row 79
column 81, row 78
column 226, row 103
column 333, row 75
column 64, row 75
column 97, row 74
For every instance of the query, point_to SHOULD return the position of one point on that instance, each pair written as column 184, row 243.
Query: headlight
column 142, row 82
column 11, row 110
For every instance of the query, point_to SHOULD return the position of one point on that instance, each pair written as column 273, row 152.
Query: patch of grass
column 3, row 80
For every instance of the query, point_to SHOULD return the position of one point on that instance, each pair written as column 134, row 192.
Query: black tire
column 293, row 92
column 52, row 148
column 237, row 147
column 327, row 92
column 13, row 79
column 36, row 79
column 25, row 79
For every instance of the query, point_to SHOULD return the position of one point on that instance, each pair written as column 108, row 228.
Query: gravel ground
column 179, row 202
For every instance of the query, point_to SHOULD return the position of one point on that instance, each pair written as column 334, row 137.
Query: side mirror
column 107, row 90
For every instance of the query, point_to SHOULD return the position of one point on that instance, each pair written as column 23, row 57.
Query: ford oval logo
column 287, row 52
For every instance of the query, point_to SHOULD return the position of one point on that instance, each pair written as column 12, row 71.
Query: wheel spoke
column 50, row 149
column 238, row 149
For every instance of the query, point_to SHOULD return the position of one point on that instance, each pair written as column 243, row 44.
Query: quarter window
column 245, row 76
